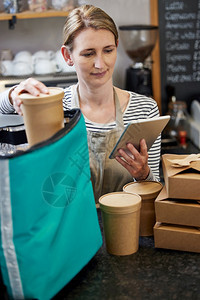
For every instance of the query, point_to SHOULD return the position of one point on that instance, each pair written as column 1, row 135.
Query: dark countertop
column 189, row 148
column 147, row 274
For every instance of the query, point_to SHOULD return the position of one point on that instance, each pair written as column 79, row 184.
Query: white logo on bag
column 80, row 160
column 59, row 190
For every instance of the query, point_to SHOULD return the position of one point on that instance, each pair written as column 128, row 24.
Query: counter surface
column 147, row 274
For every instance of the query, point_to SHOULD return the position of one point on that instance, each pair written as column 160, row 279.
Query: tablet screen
column 149, row 129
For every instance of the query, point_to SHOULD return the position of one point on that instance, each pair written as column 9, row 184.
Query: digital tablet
column 149, row 129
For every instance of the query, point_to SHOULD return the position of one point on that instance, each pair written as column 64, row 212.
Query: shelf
column 33, row 15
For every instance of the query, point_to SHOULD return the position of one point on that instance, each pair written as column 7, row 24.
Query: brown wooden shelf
column 156, row 76
column 33, row 15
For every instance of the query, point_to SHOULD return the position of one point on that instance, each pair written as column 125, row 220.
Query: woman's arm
column 10, row 101
column 5, row 105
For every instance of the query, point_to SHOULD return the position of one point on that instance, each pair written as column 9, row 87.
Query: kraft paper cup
column 121, row 218
column 148, row 190
column 43, row 115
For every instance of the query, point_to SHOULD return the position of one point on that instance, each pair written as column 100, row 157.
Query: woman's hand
column 137, row 162
column 30, row 85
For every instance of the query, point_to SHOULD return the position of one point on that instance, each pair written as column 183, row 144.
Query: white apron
column 107, row 175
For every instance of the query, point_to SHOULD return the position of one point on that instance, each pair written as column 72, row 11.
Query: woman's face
column 94, row 55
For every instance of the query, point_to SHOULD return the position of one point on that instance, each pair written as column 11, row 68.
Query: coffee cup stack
column 129, row 214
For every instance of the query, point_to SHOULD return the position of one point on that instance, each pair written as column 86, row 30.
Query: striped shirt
column 5, row 105
column 139, row 107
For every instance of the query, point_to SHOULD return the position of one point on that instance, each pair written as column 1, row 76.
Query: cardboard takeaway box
column 177, row 223
column 181, row 182
column 177, row 237
column 176, row 211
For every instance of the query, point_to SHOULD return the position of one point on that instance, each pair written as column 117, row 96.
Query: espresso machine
column 138, row 42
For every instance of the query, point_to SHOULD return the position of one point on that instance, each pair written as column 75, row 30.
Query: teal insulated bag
column 49, row 224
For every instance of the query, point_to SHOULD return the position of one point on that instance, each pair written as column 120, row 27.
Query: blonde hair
column 86, row 16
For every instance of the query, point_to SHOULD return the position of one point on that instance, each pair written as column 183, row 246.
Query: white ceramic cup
column 23, row 56
column 21, row 68
column 6, row 67
column 45, row 66
column 41, row 54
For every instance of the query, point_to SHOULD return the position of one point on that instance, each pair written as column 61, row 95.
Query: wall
column 45, row 34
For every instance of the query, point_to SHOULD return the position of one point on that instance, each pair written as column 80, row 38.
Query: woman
column 90, row 44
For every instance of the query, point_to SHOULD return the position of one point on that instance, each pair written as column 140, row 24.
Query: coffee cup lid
column 55, row 93
column 145, row 189
column 120, row 202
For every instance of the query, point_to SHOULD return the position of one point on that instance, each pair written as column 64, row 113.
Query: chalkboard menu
column 179, row 34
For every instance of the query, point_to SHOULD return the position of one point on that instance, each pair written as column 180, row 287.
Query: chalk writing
column 175, row 5
column 179, row 17
column 181, row 45
column 174, row 58
column 179, row 27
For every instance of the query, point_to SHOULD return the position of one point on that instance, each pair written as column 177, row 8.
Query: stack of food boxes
column 177, row 207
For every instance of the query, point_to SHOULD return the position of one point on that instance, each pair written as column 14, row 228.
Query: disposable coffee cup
column 148, row 190
column 43, row 115
column 121, row 218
